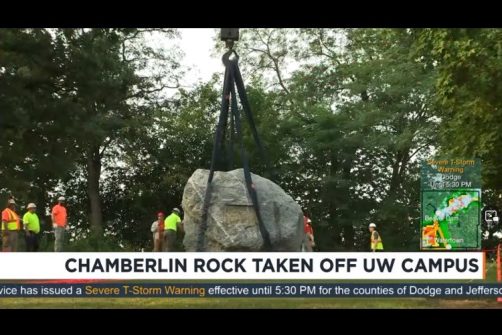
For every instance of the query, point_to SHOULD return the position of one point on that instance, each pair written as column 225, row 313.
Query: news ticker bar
column 263, row 290
column 243, row 266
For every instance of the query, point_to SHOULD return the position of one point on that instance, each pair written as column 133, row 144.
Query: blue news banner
column 254, row 290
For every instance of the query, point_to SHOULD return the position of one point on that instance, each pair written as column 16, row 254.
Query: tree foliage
column 346, row 116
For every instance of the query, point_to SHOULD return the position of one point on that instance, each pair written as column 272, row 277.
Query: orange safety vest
column 13, row 218
column 160, row 227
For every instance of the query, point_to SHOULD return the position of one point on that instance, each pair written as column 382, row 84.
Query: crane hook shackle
column 229, row 35
column 227, row 57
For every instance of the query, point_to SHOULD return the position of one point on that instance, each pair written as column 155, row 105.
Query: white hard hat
column 31, row 205
column 176, row 210
column 12, row 201
column 372, row 225
column 61, row 199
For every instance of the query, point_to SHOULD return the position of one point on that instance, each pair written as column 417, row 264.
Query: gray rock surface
column 232, row 223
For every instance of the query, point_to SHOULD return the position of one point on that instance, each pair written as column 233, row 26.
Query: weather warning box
column 451, row 204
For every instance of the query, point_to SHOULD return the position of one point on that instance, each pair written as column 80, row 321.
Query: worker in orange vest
column 308, row 242
column 59, row 223
column 10, row 226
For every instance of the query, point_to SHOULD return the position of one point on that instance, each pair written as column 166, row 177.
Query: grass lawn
column 246, row 303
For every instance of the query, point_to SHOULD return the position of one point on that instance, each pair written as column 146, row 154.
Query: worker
column 59, row 223
column 171, row 225
column 376, row 240
column 158, row 232
column 309, row 242
column 10, row 226
column 31, row 227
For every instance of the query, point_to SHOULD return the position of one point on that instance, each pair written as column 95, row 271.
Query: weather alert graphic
column 450, row 220
column 451, row 204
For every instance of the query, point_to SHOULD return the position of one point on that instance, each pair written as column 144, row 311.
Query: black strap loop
column 232, row 80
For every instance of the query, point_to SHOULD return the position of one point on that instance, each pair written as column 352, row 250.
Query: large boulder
column 232, row 223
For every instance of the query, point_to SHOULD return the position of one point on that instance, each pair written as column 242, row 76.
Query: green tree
column 469, row 63
column 160, row 162
column 107, row 97
column 359, row 114
column 30, row 136
column 71, row 99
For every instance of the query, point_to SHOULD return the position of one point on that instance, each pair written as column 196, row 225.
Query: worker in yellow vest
column 10, row 227
column 171, row 225
column 31, row 227
column 376, row 239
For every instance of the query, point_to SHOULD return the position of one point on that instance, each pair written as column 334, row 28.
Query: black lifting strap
column 216, row 153
column 233, row 78
column 247, row 110
column 247, row 174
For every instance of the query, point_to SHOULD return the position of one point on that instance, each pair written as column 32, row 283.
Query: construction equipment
column 233, row 88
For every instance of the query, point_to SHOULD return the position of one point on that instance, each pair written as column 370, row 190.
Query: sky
column 198, row 46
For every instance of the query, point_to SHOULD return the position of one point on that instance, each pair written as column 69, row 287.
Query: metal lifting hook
column 230, row 56
column 229, row 35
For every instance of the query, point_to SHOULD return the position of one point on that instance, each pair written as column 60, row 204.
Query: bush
column 93, row 244
column 88, row 244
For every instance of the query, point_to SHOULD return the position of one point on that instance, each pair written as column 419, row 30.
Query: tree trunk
column 331, row 207
column 93, row 175
column 398, row 171
column 348, row 237
column 348, row 229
